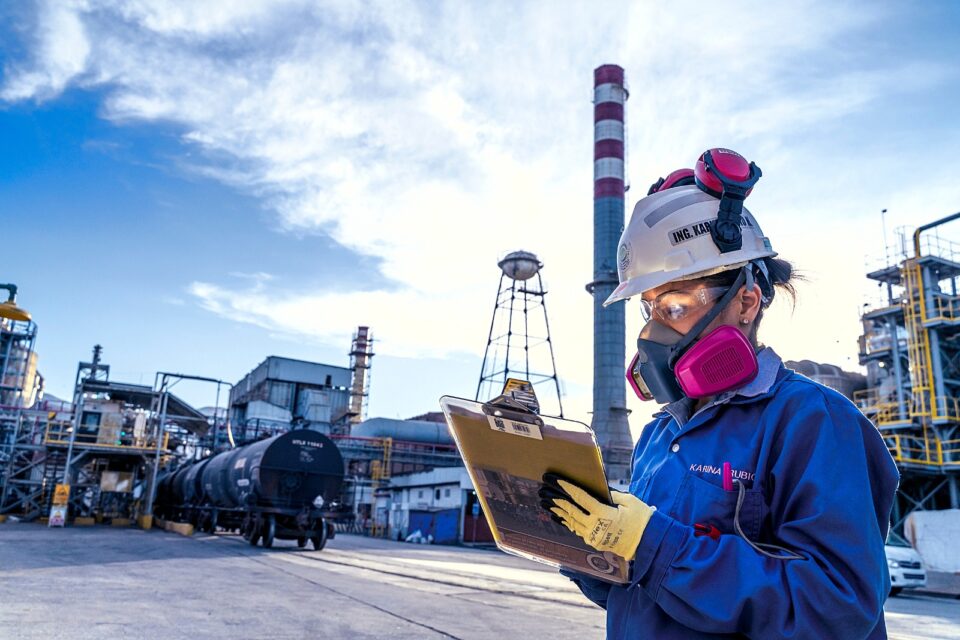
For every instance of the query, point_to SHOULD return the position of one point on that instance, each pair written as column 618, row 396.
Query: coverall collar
column 768, row 365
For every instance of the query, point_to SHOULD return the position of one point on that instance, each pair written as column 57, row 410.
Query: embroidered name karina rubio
column 735, row 473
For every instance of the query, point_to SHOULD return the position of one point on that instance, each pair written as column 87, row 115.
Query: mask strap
column 707, row 319
column 766, row 290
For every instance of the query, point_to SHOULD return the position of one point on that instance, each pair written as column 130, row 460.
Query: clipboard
column 507, row 447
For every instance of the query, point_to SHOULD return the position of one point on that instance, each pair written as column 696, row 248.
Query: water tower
column 519, row 344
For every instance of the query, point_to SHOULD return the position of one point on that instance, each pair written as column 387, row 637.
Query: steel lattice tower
column 519, row 344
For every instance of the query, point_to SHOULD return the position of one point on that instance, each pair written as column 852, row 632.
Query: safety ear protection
column 727, row 175
column 678, row 178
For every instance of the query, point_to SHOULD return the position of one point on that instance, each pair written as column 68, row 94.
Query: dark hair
column 782, row 276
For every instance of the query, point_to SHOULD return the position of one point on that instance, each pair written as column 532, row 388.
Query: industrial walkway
column 125, row 583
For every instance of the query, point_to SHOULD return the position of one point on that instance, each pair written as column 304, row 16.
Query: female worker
column 759, row 500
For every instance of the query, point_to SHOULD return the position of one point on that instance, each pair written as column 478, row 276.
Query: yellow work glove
column 603, row 527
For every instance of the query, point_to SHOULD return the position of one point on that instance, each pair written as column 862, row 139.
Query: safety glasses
column 673, row 306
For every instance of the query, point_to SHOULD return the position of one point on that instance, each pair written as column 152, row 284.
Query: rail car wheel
column 269, row 530
column 301, row 542
column 320, row 541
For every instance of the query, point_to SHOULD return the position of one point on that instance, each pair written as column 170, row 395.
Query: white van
column 906, row 567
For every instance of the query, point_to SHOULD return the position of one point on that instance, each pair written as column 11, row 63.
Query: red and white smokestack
column 609, row 97
column 609, row 328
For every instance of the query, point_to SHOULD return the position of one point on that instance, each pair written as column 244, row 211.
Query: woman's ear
column 750, row 301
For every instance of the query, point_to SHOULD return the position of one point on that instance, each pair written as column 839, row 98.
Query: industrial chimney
column 609, row 330
column 361, row 353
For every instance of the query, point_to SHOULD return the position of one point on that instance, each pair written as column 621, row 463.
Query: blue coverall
column 819, row 481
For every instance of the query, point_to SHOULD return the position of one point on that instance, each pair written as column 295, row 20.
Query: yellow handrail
column 58, row 433
column 946, row 309
column 884, row 412
column 924, row 451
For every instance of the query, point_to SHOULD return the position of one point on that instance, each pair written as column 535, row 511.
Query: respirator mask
column 669, row 366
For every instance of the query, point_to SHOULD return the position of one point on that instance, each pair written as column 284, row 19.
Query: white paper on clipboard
column 506, row 452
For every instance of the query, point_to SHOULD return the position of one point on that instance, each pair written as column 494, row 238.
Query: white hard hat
column 668, row 238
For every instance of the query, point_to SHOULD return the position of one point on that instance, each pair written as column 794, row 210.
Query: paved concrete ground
column 125, row 583
column 944, row 585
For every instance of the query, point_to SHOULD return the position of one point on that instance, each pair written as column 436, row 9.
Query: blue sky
column 196, row 189
column 108, row 233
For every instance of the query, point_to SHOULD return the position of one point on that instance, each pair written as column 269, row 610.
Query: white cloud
column 438, row 137
column 61, row 49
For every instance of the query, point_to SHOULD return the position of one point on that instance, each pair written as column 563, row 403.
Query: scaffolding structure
column 45, row 450
column 911, row 348
column 519, row 343
column 25, row 469
column 105, row 446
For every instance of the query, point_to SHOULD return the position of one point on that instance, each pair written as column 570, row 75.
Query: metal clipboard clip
column 517, row 401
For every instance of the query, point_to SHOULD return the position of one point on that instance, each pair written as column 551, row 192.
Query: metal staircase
column 380, row 478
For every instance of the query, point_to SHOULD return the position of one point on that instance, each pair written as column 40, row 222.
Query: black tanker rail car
column 278, row 488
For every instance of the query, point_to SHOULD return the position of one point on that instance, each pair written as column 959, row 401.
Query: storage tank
column 846, row 382
column 420, row 431
column 286, row 471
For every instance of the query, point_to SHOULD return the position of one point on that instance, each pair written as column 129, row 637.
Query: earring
column 744, row 321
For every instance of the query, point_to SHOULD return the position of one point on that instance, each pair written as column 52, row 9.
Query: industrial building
column 283, row 391
column 911, row 349
column 440, row 505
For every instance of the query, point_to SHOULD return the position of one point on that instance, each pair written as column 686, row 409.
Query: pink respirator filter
column 718, row 362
